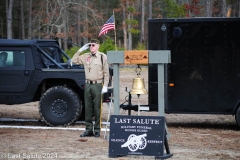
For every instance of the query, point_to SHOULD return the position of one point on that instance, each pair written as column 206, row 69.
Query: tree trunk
column 124, row 27
column 129, row 27
column 224, row 8
column 79, row 41
column 149, row 8
column 30, row 20
column 1, row 26
column 142, row 23
column 209, row 5
column 46, row 35
column 9, row 4
column 59, row 33
column 22, row 20
column 229, row 10
column 85, row 27
column 238, row 8
column 65, row 34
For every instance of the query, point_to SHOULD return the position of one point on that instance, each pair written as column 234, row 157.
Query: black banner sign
column 136, row 135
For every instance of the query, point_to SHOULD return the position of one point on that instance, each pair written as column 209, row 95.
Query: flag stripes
column 109, row 25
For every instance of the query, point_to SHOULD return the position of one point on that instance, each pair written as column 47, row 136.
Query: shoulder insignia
column 105, row 56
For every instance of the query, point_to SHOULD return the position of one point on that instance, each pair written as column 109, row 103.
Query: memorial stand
column 159, row 57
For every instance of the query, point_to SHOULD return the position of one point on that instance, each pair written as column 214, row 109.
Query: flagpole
column 115, row 32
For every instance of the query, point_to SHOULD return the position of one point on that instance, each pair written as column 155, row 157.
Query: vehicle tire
column 60, row 105
column 237, row 116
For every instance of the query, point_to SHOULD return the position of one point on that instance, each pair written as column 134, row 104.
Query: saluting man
column 97, row 79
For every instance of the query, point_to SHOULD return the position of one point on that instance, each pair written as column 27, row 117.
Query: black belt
column 93, row 82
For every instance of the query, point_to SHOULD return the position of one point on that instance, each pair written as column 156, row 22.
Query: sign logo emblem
column 136, row 142
column 163, row 28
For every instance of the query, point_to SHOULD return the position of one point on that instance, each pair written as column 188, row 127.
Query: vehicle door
column 15, row 73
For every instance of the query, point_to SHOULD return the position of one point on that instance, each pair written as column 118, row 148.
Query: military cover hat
column 94, row 40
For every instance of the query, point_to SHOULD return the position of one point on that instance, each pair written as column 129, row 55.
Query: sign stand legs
column 168, row 154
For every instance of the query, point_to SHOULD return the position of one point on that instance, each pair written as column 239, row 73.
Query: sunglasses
column 91, row 45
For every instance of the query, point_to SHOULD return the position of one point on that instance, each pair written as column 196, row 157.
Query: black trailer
column 204, row 74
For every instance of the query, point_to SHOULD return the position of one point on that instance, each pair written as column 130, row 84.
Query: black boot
column 97, row 134
column 87, row 134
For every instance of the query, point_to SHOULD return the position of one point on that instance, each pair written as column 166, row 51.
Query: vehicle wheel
column 60, row 106
column 237, row 116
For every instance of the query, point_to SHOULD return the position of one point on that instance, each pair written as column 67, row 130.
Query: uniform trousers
column 93, row 103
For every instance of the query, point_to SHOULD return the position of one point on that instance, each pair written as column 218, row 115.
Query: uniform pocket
column 98, row 65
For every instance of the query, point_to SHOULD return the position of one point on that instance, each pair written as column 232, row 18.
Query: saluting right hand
column 83, row 48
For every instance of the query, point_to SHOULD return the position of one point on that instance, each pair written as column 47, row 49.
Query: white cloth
column 104, row 89
column 69, row 62
column 83, row 48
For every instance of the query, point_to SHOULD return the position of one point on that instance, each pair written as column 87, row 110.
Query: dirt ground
column 192, row 137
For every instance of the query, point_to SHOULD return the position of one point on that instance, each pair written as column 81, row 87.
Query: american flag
column 109, row 25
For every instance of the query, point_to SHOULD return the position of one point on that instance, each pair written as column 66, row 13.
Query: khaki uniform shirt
column 95, row 68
